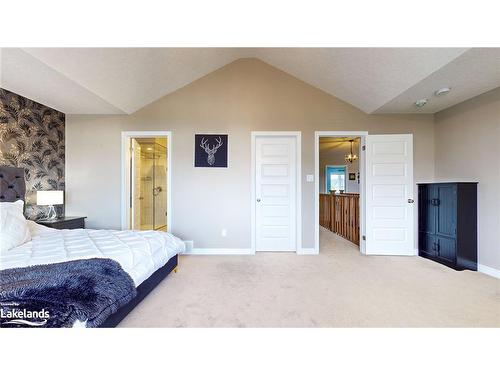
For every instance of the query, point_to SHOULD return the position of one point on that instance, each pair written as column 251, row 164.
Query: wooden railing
column 340, row 214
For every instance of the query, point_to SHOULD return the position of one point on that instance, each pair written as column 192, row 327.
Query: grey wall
column 246, row 95
column 468, row 149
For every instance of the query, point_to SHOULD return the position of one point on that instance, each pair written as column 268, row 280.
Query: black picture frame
column 210, row 150
column 352, row 176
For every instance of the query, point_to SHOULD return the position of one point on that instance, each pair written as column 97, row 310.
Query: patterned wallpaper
column 32, row 137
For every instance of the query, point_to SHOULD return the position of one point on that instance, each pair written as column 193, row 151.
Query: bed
column 146, row 256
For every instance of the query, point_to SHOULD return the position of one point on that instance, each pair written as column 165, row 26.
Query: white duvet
column 140, row 253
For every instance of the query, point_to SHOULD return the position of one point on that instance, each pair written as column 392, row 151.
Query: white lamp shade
column 49, row 198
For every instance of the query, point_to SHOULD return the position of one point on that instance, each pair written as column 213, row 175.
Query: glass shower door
column 149, row 184
column 160, row 187
column 136, row 185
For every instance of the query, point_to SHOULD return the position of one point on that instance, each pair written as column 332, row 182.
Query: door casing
column 298, row 197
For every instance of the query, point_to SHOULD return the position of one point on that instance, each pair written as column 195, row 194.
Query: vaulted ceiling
column 123, row 80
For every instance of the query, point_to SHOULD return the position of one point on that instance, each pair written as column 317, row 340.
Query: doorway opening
column 146, row 184
column 339, row 189
column 339, row 208
column 386, row 186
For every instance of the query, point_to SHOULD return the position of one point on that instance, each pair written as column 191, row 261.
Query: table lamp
column 50, row 198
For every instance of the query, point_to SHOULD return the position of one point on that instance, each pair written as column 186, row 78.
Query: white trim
column 342, row 133
column 252, row 193
column 219, row 251
column 362, row 161
column 298, row 137
column 307, row 251
column 488, row 270
column 125, row 178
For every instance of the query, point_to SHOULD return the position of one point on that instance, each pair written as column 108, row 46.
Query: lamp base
column 51, row 214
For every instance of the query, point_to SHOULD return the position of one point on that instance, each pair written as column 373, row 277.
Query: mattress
column 140, row 253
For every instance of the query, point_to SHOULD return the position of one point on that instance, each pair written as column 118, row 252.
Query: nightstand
column 66, row 222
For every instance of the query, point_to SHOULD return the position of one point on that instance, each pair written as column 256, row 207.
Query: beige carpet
column 338, row 288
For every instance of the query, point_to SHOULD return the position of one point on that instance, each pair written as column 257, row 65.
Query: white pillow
column 14, row 229
column 37, row 229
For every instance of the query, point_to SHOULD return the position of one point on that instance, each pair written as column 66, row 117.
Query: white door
column 389, row 195
column 276, row 193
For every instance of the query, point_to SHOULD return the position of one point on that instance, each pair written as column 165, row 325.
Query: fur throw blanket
column 59, row 294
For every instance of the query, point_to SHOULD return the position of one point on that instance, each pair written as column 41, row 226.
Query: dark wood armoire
column 447, row 223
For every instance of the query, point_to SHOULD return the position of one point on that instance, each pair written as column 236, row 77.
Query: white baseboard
column 488, row 270
column 307, row 251
column 238, row 251
column 220, row 251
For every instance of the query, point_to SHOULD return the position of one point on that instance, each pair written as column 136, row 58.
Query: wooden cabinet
column 447, row 223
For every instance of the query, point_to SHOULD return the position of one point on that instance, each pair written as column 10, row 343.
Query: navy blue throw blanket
column 56, row 295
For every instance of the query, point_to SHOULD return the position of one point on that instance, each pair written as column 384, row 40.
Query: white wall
column 244, row 96
column 468, row 149
column 333, row 152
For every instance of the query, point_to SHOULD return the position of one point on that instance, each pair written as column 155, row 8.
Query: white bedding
column 140, row 253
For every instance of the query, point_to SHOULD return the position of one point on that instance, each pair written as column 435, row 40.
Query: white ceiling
column 474, row 72
column 364, row 77
column 123, row 80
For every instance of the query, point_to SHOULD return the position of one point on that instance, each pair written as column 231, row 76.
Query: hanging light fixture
column 352, row 156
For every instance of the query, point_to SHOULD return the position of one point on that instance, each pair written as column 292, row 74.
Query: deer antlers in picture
column 211, row 150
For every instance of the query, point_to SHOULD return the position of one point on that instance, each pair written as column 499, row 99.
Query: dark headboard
column 12, row 185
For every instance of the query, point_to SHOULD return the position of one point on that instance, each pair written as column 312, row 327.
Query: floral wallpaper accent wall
column 32, row 137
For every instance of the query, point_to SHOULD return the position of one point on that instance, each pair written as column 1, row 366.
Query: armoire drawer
column 446, row 248
column 426, row 244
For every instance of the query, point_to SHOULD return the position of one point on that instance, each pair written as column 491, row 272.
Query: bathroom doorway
column 147, row 181
column 149, row 184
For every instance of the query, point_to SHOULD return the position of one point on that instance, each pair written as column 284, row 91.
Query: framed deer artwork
column 210, row 150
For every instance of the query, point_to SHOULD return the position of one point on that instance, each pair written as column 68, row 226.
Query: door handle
column 410, row 200
column 258, row 199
